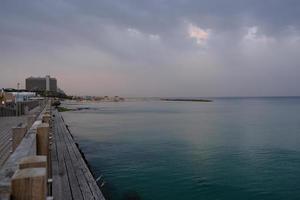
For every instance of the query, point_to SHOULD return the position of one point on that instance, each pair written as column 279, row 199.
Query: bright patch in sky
column 200, row 35
column 154, row 37
column 138, row 34
column 252, row 33
column 133, row 32
column 253, row 37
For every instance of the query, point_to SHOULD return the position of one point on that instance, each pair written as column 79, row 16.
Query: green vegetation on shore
column 63, row 109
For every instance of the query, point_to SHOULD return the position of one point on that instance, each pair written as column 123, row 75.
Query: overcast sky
column 154, row 47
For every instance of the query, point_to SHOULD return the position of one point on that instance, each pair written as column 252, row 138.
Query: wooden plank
column 86, row 192
column 73, row 182
column 66, row 156
column 62, row 170
column 88, row 176
column 81, row 165
column 57, row 183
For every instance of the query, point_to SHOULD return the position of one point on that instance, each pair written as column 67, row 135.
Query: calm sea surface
column 232, row 148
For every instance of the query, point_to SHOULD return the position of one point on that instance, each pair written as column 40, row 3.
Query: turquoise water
column 232, row 148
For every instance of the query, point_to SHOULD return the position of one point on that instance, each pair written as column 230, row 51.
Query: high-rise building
column 41, row 84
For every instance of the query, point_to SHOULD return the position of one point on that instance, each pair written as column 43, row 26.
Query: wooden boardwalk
column 71, row 177
column 6, row 124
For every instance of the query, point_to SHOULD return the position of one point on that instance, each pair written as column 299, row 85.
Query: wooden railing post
column 42, row 141
column 33, row 162
column 46, row 118
column 29, row 184
column 17, row 135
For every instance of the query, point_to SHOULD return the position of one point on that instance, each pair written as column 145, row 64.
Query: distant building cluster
column 36, row 88
column 10, row 97
column 98, row 98
column 38, row 84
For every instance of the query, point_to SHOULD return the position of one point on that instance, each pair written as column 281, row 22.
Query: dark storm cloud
column 158, row 47
column 161, row 15
column 156, row 16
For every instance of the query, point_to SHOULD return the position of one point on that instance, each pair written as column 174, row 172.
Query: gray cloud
column 154, row 48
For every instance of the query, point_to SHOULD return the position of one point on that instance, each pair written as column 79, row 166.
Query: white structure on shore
column 23, row 96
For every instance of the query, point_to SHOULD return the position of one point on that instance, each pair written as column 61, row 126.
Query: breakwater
column 187, row 100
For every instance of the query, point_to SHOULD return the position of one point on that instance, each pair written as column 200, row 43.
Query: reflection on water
column 238, row 148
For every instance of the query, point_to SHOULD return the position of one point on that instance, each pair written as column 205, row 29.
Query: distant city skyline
column 197, row 48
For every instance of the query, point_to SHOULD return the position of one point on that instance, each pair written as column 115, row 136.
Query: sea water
column 231, row 148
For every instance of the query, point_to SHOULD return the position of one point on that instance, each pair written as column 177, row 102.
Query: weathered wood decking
column 6, row 124
column 71, row 177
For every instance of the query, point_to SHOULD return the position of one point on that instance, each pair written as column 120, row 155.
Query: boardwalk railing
column 15, row 180
column 18, row 133
column 20, row 108
column 47, row 164
column 23, row 108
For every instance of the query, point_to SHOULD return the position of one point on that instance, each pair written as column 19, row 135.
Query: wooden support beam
column 17, row 135
column 29, row 184
column 42, row 139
